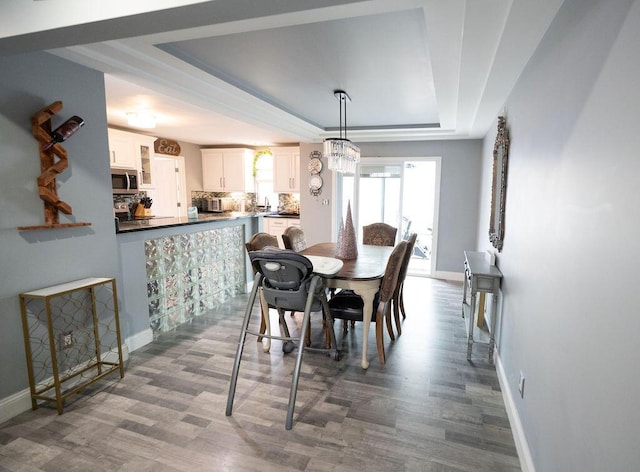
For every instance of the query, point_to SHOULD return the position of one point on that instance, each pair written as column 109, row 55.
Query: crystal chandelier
column 341, row 154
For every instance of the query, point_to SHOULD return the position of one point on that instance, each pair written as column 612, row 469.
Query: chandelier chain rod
column 342, row 104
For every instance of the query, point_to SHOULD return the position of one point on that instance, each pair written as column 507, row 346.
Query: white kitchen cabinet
column 133, row 151
column 227, row 170
column 145, row 156
column 286, row 170
column 276, row 227
column 121, row 149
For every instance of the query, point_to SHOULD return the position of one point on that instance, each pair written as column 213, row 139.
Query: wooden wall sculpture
column 49, row 170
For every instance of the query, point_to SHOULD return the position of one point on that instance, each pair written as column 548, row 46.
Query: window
column 264, row 181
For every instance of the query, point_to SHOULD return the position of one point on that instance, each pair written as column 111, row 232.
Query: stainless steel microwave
column 124, row 181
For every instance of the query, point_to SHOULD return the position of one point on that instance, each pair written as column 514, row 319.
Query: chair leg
column 390, row 328
column 396, row 310
column 265, row 323
column 389, row 324
column 307, row 338
column 287, row 346
column 404, row 315
column 383, row 310
column 328, row 323
column 243, row 335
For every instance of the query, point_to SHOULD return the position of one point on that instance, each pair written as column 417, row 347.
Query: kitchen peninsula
column 175, row 269
column 145, row 224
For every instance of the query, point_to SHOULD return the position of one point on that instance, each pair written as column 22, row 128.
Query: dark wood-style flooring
column 427, row 409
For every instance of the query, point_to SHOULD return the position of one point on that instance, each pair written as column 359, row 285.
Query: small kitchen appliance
column 219, row 205
column 124, row 182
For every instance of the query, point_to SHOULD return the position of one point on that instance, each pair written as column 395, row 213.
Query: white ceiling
column 260, row 73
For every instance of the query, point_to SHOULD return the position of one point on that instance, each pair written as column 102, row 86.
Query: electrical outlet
column 521, row 385
column 66, row 339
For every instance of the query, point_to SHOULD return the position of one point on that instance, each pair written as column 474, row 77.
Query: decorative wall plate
column 315, row 166
column 315, row 185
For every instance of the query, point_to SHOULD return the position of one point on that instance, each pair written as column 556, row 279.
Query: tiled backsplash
column 190, row 274
column 287, row 202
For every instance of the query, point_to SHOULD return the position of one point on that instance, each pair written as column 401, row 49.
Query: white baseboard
column 455, row 276
column 524, row 453
column 14, row 405
column 20, row 402
column 139, row 340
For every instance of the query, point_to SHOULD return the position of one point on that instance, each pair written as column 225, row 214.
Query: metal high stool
column 288, row 283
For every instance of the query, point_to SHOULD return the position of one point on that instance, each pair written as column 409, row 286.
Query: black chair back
column 287, row 275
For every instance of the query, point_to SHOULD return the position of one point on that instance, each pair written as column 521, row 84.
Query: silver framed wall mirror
column 499, row 185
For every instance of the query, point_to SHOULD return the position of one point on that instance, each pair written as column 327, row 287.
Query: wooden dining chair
column 347, row 305
column 293, row 238
column 379, row 234
column 261, row 240
column 258, row 242
column 398, row 294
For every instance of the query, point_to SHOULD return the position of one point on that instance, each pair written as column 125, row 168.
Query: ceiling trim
column 477, row 53
column 148, row 66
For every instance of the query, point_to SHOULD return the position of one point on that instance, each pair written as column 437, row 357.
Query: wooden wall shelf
column 49, row 170
column 52, row 226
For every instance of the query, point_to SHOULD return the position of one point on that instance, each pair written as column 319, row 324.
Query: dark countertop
column 145, row 224
column 278, row 215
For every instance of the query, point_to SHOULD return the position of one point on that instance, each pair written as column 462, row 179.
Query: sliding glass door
column 402, row 192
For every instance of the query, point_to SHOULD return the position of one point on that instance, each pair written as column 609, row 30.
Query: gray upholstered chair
column 379, row 234
column 257, row 242
column 261, row 240
column 398, row 294
column 293, row 238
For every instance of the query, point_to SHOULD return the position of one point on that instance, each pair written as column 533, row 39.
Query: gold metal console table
column 71, row 337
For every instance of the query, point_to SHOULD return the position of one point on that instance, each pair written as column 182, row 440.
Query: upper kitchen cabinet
column 144, row 153
column 133, row 151
column 286, row 170
column 121, row 149
column 227, row 170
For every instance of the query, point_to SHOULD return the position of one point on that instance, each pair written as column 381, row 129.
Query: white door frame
column 394, row 160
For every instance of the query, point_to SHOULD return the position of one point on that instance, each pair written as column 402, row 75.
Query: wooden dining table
column 363, row 275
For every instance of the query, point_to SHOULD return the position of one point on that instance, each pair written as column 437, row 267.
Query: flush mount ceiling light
column 141, row 119
column 341, row 154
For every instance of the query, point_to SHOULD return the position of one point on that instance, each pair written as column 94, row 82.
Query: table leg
column 492, row 339
column 472, row 309
column 367, row 293
column 367, row 290
column 464, row 294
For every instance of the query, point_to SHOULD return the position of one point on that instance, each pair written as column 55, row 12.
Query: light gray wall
column 315, row 218
column 459, row 190
column 35, row 259
column 193, row 167
column 570, row 296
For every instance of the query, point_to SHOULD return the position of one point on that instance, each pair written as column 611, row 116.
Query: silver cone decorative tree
column 340, row 235
column 348, row 248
